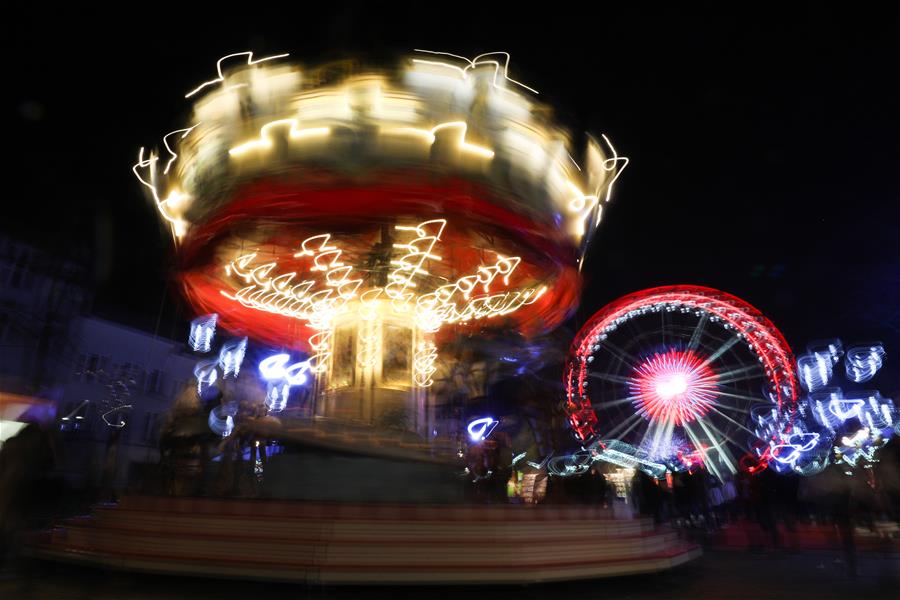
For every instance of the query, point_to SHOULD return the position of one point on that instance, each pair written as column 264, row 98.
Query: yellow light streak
column 423, row 363
column 429, row 136
column 265, row 142
column 164, row 205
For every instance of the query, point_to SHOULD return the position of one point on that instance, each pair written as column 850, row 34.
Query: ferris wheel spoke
column 694, row 342
column 618, row 402
column 726, row 416
column 637, row 420
column 699, row 446
column 716, row 435
column 724, row 391
column 665, row 326
column 724, row 453
column 619, row 353
column 716, row 443
column 637, row 335
column 661, row 434
column 722, row 349
column 732, row 375
column 610, row 378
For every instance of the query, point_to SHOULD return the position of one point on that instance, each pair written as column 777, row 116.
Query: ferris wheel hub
column 676, row 385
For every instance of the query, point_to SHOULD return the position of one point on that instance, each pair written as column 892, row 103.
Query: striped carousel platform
column 356, row 544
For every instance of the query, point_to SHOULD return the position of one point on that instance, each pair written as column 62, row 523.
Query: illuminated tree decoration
column 203, row 329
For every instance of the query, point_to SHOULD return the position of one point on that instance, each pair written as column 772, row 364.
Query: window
column 130, row 375
column 92, row 367
column 21, row 275
column 395, row 358
column 343, row 359
column 154, row 382
column 80, row 363
column 151, row 428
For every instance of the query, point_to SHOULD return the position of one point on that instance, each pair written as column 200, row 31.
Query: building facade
column 120, row 386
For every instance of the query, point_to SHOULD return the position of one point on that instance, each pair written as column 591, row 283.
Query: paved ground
column 760, row 576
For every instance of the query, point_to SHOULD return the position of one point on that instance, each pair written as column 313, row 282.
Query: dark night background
column 763, row 142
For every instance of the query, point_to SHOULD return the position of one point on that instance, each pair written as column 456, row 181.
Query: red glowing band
column 289, row 211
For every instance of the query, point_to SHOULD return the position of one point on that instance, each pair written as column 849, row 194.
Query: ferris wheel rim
column 762, row 336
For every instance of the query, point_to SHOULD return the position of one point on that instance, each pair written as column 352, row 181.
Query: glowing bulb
column 671, row 387
column 675, row 387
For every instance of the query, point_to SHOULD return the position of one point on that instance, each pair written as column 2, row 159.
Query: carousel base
column 363, row 544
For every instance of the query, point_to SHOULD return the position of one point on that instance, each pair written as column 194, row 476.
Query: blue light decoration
column 570, row 464
column 280, row 378
column 231, row 356
column 625, row 455
column 878, row 414
column 814, row 370
column 480, row 429
column 277, row 397
column 206, row 373
column 833, row 349
column 786, row 443
column 863, row 362
column 830, row 424
column 517, row 458
column 221, row 419
column 846, row 408
column 203, row 329
column 822, row 404
column 795, row 446
column 614, row 452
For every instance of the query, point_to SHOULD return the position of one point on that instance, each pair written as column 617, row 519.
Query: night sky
column 764, row 144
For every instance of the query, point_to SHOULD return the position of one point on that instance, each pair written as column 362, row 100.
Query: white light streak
column 480, row 429
column 221, row 76
column 423, row 363
column 481, row 59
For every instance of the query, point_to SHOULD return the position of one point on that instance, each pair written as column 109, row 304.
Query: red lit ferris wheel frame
column 763, row 338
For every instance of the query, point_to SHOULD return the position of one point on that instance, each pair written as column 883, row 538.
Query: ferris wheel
column 674, row 373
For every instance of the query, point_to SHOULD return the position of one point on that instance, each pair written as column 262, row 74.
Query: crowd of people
column 695, row 498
